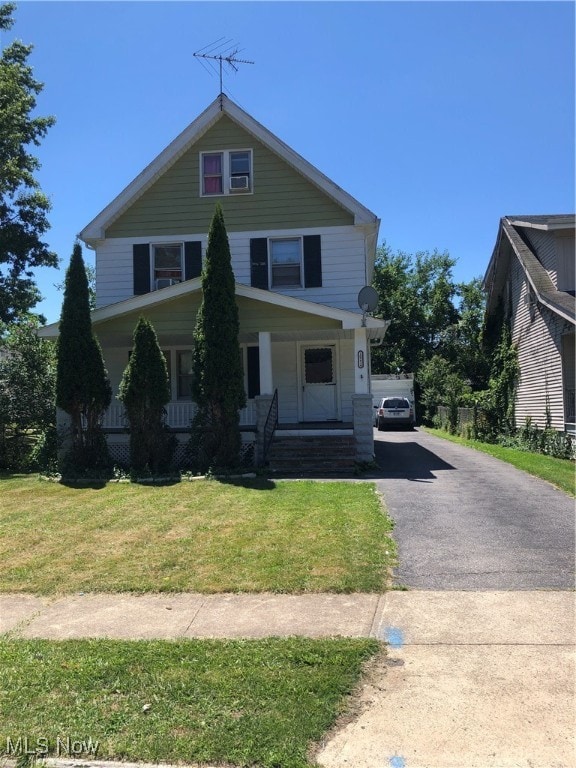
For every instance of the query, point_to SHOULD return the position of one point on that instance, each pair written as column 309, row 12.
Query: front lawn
column 558, row 472
column 201, row 536
column 242, row 702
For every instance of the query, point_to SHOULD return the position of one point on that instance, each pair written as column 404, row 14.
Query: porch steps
column 312, row 455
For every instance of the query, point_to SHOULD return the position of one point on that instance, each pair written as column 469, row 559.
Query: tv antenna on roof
column 227, row 55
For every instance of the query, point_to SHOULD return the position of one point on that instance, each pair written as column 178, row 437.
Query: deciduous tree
column 23, row 206
column 27, row 392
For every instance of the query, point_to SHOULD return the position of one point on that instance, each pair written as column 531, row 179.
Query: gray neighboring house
column 531, row 275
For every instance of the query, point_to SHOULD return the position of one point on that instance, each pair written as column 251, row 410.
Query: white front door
column 319, row 390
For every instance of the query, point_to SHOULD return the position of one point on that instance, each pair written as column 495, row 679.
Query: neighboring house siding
column 282, row 197
column 544, row 246
column 539, row 345
column 565, row 248
column 343, row 264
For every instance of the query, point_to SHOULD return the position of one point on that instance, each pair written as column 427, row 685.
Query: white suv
column 394, row 411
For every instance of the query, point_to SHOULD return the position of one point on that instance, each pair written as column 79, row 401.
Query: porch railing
column 178, row 415
column 270, row 426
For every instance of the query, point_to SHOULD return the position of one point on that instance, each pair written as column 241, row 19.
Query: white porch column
column 361, row 367
column 265, row 344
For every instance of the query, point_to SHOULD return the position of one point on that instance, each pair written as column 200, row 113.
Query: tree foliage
column 145, row 390
column 218, row 379
column 82, row 387
column 23, row 206
column 436, row 328
column 417, row 295
column 27, row 392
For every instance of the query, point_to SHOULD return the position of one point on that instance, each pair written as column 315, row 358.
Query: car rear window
column 395, row 402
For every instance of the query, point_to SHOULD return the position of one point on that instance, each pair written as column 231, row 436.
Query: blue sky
column 440, row 117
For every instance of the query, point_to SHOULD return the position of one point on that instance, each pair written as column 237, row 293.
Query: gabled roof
column 557, row 221
column 221, row 106
column 511, row 241
column 165, row 295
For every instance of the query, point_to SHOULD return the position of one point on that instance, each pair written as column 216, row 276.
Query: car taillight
column 381, row 412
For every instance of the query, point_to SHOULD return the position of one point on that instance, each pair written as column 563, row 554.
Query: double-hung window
column 226, row 173
column 167, row 264
column 286, row 262
column 212, row 174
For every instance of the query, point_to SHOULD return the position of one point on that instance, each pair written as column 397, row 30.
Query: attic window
column 226, row 173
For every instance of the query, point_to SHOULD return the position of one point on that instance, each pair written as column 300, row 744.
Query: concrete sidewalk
column 136, row 617
column 472, row 679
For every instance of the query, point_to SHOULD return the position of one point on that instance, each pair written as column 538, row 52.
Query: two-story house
column 530, row 279
column 302, row 248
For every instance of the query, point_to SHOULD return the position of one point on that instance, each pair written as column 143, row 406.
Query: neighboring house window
column 157, row 265
column 226, row 173
column 292, row 262
column 286, row 262
column 167, row 264
column 184, row 372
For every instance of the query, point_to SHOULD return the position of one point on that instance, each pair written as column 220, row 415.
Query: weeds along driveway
column 464, row 520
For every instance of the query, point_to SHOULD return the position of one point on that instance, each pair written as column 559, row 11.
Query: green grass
column 242, row 702
column 558, row 472
column 202, row 536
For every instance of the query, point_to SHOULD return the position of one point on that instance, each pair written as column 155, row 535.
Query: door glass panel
column 318, row 366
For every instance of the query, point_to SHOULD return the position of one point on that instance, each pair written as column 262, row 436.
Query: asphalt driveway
column 467, row 521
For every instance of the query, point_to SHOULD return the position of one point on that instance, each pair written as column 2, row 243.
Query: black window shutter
column 253, row 358
column 312, row 261
column 141, row 268
column 259, row 262
column 192, row 260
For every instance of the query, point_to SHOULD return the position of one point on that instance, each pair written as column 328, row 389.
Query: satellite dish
column 368, row 299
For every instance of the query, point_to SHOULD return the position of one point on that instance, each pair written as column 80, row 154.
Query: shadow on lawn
column 257, row 484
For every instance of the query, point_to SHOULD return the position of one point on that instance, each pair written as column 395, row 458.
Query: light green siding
column 256, row 316
column 282, row 198
column 174, row 321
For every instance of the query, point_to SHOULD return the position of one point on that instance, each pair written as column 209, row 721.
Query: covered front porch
column 306, row 365
column 318, row 382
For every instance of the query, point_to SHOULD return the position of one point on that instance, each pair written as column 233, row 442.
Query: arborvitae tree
column 218, row 379
column 82, row 386
column 145, row 390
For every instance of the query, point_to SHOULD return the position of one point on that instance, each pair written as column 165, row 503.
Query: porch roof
column 348, row 320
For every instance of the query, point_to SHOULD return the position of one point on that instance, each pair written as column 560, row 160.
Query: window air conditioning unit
column 239, row 183
column 165, row 282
